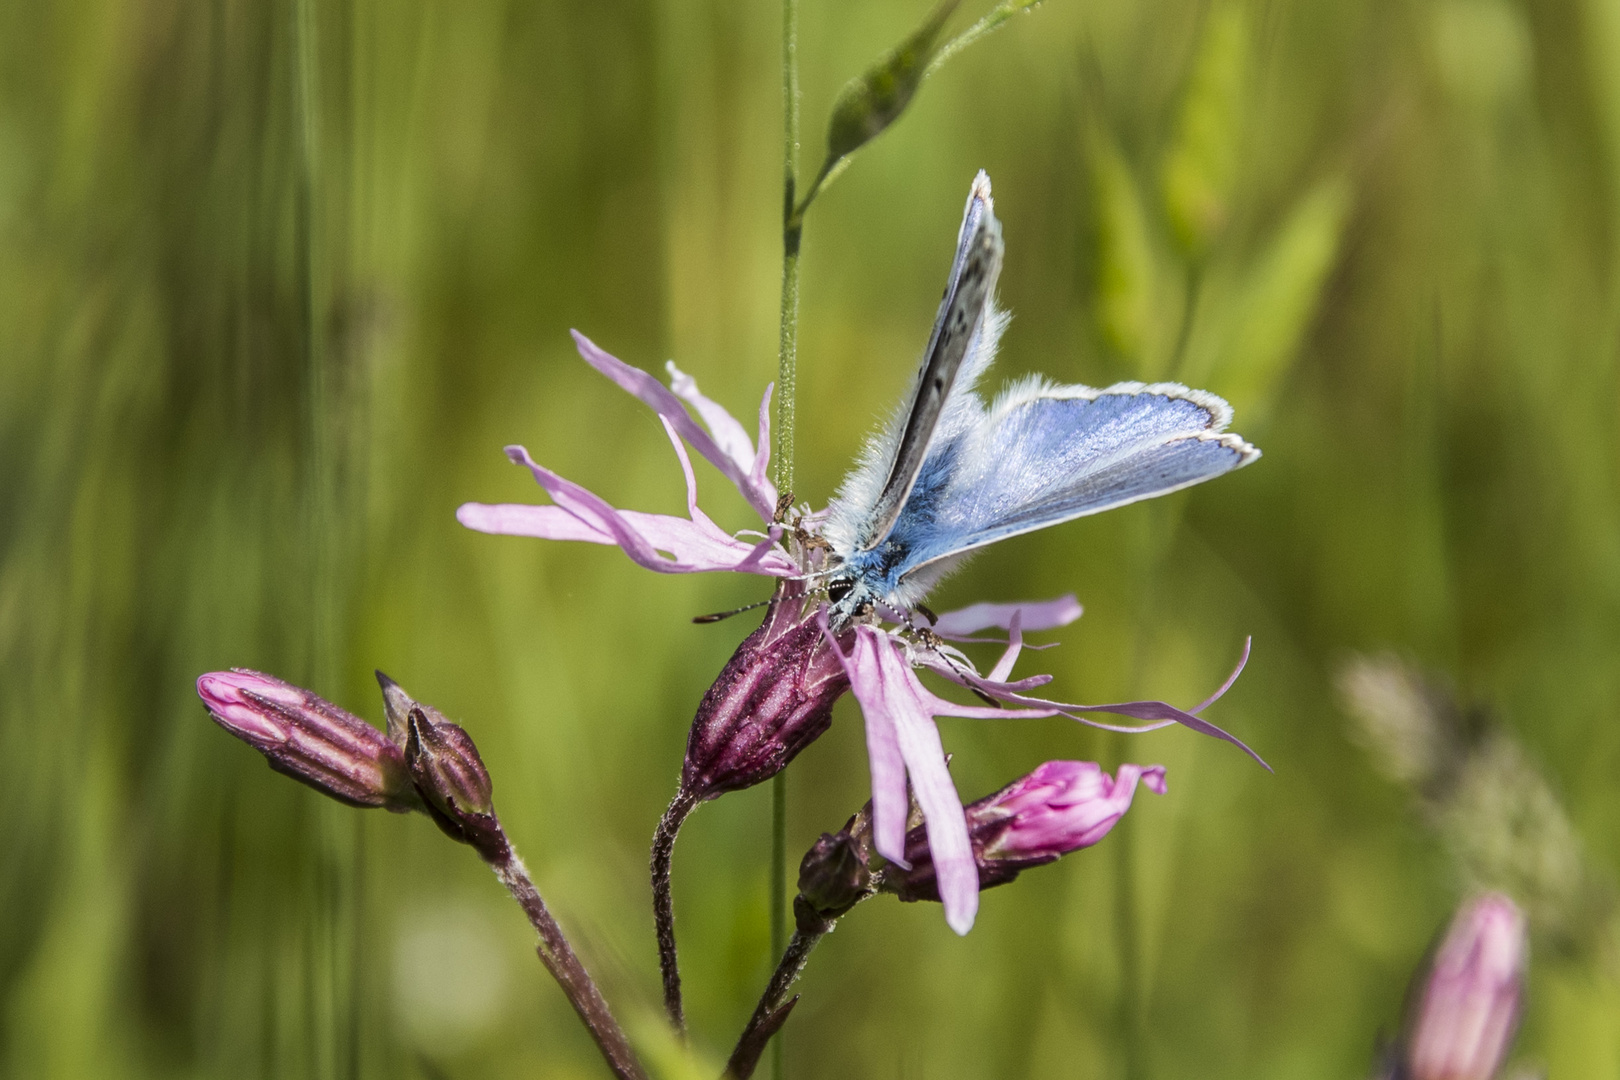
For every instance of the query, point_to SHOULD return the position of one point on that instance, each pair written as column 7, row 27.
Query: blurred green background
column 278, row 281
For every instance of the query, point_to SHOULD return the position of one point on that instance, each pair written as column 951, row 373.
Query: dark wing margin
column 968, row 293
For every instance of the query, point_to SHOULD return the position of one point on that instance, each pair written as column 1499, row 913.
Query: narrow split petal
column 948, row 844
column 899, row 716
column 728, row 432
column 1158, row 713
column 758, row 490
column 1032, row 614
column 869, row 680
column 691, row 545
column 760, row 474
column 1015, row 645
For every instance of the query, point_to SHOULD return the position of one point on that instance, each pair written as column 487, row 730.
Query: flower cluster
column 776, row 694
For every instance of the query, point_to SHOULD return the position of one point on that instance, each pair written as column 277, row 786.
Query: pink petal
column 760, row 475
column 728, row 434
column 868, row 678
column 1152, row 777
column 1036, row 615
column 760, row 493
column 1165, row 715
column 1114, row 799
column 905, row 705
column 692, row 545
column 963, row 677
column 1230, row 679
column 518, row 519
column 948, row 844
column 1160, row 713
column 1015, row 645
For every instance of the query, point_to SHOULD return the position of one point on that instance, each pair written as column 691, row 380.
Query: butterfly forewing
column 968, row 295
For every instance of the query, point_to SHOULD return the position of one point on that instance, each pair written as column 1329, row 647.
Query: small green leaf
column 992, row 20
column 870, row 103
column 1200, row 168
column 873, row 101
column 1279, row 297
column 1125, row 263
column 666, row 1054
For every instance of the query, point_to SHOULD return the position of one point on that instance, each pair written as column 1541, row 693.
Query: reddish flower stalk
column 424, row 763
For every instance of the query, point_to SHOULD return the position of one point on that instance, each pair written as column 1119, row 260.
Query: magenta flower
column 901, row 738
column 1464, row 1022
column 775, row 695
column 1061, row 807
column 669, row 545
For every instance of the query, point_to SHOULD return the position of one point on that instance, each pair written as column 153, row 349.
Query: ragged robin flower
column 776, row 694
column 1059, row 808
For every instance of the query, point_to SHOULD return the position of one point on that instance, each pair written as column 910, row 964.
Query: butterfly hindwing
column 1047, row 454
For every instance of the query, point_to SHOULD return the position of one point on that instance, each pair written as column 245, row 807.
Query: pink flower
column 1062, row 806
column 902, row 741
column 669, row 545
column 1464, row 1023
column 775, row 695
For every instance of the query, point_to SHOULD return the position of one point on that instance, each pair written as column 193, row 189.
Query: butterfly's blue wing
column 947, row 475
column 959, row 349
column 1046, row 454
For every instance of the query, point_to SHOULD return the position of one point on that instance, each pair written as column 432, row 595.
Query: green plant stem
column 1129, row 932
column 792, row 228
column 335, row 1008
column 992, row 20
column 1161, row 524
column 786, row 395
column 1189, row 311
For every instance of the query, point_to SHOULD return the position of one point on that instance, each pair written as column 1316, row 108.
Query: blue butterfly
column 947, row 475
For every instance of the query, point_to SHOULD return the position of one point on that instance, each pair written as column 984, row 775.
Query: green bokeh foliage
column 249, row 365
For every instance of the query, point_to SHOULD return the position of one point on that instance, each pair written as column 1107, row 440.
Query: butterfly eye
column 839, row 589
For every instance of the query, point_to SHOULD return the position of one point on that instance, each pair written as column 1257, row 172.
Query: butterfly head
column 881, row 581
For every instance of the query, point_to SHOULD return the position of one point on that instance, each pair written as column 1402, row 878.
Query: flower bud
column 873, row 100
column 773, row 698
column 1464, row 1022
column 833, row 877
column 452, row 780
column 310, row 739
column 1060, row 807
